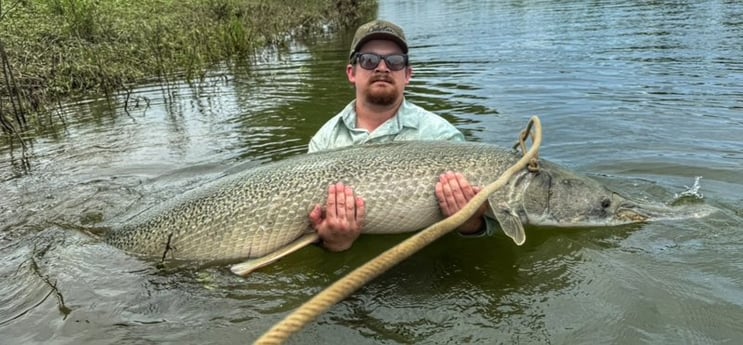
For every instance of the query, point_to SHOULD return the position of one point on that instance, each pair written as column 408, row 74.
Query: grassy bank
column 53, row 49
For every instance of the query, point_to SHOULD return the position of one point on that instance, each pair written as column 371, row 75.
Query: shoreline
column 52, row 50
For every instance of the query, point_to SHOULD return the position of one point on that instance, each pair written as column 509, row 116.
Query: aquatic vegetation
column 52, row 49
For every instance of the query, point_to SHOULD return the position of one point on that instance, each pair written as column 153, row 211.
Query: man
column 379, row 70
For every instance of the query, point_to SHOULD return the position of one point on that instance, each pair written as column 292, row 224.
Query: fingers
column 453, row 192
column 344, row 217
column 340, row 201
column 441, row 196
column 457, row 192
column 316, row 216
column 468, row 191
column 350, row 205
column 331, row 211
column 360, row 212
column 341, row 205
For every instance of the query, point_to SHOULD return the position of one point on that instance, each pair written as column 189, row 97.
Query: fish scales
column 256, row 211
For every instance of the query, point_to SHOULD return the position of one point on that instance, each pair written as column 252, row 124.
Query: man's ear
column 351, row 73
column 408, row 74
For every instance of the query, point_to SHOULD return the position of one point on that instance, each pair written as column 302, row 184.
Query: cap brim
column 381, row 36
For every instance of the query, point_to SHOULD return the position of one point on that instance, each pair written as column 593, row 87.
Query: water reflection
column 17, row 159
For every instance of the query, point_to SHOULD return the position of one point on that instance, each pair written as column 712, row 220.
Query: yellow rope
column 342, row 288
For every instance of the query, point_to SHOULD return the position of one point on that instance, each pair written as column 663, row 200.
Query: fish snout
column 639, row 213
column 631, row 213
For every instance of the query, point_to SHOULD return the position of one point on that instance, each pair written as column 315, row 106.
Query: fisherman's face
column 380, row 85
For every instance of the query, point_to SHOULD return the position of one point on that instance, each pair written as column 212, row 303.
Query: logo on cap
column 378, row 29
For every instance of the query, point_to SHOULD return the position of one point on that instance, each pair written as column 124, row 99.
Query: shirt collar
column 405, row 116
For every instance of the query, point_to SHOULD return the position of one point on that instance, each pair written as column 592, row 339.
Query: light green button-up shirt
column 410, row 123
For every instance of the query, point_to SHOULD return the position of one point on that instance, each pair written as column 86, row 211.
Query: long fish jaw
column 645, row 212
column 627, row 212
column 630, row 212
column 560, row 198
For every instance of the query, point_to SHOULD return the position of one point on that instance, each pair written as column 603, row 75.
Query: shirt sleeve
column 323, row 139
column 453, row 135
column 437, row 128
column 490, row 226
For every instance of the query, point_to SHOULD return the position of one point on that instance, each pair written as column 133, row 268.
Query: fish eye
column 605, row 203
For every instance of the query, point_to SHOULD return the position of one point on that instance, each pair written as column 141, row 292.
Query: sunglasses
column 370, row 61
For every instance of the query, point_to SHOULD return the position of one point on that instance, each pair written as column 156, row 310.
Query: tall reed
column 57, row 48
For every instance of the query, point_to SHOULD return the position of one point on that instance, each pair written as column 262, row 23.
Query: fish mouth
column 634, row 213
column 626, row 213
column 640, row 213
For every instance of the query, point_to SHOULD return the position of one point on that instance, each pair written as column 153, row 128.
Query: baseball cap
column 378, row 30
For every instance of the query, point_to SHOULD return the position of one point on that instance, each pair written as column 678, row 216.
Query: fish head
column 557, row 197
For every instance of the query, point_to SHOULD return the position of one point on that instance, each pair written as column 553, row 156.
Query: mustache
column 381, row 77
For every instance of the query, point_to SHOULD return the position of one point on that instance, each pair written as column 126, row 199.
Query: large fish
column 265, row 209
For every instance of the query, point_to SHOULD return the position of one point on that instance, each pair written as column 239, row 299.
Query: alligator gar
column 260, row 210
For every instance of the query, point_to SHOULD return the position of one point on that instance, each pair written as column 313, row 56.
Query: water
column 645, row 96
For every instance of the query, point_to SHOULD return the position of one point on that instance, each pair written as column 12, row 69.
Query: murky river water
column 643, row 95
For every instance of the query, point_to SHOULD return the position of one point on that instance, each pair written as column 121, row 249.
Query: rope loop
column 533, row 165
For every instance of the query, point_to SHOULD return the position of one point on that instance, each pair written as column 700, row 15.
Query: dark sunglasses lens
column 395, row 62
column 369, row 61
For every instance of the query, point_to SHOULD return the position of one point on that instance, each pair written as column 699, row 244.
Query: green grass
column 54, row 49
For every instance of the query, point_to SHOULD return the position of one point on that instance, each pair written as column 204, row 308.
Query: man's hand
column 340, row 223
column 454, row 191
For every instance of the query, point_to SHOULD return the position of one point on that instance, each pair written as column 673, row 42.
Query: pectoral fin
column 246, row 267
column 510, row 222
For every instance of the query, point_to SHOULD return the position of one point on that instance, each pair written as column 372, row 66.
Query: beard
column 382, row 96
